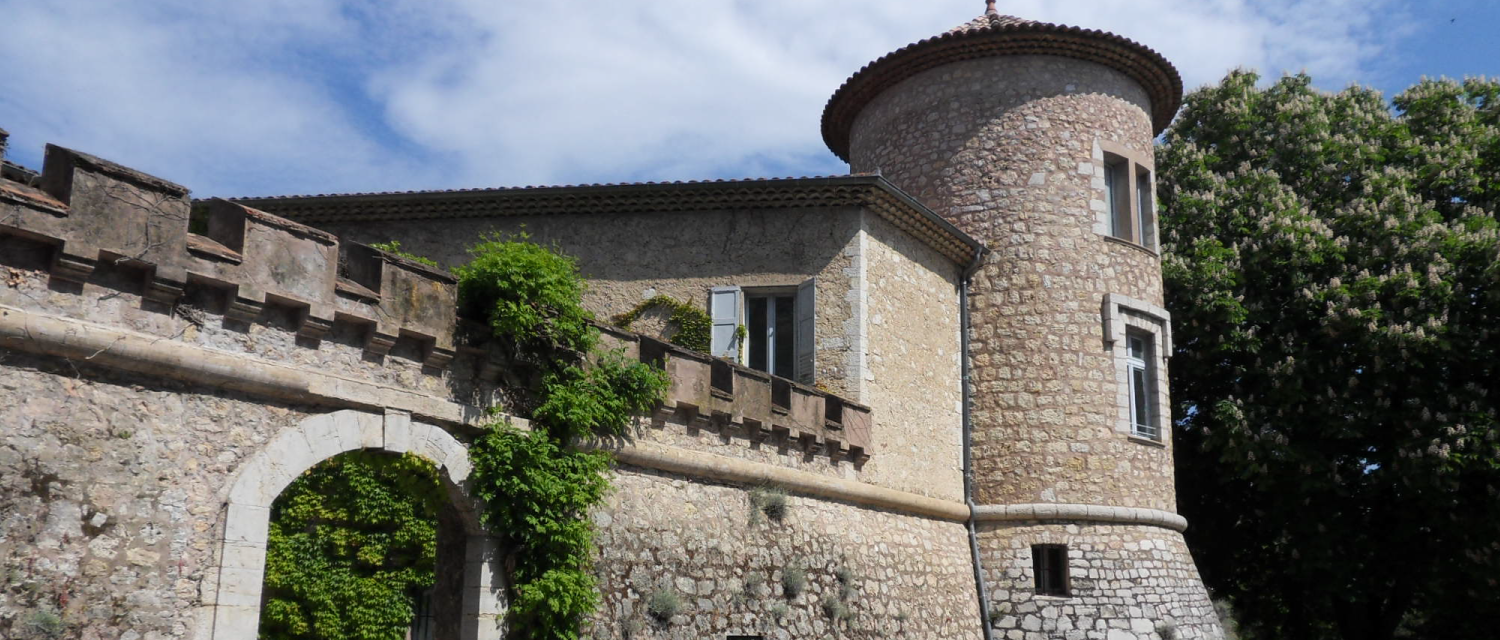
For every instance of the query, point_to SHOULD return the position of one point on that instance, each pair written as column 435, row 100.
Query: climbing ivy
column 537, row 486
column 351, row 544
column 694, row 326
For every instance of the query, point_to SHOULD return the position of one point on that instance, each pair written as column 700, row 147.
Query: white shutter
column 724, row 308
column 804, row 332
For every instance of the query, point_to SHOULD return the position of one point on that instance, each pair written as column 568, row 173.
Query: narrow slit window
column 1049, row 564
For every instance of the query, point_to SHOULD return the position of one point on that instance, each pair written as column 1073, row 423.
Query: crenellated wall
column 167, row 365
column 94, row 210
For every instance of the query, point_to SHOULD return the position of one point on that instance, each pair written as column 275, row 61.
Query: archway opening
column 365, row 544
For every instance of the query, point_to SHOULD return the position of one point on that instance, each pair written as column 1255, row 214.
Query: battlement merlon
column 94, row 210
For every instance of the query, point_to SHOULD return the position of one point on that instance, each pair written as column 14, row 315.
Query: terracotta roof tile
column 994, row 34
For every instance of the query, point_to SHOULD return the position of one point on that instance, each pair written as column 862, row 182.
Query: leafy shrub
column 351, row 542
column 43, row 624
column 662, row 604
column 537, row 492
column 835, row 609
column 394, row 246
column 793, row 581
column 770, row 501
column 527, row 294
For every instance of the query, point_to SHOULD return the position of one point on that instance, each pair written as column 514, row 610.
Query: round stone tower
column 1037, row 139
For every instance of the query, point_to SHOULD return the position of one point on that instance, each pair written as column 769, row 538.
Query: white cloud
column 321, row 95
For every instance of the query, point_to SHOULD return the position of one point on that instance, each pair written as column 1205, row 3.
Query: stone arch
column 232, row 600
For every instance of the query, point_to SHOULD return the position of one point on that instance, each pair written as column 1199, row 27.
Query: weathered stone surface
column 1011, row 150
column 908, row 576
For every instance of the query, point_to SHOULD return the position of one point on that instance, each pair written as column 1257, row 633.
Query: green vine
column 394, row 246
column 352, row 542
column 537, row 486
column 694, row 326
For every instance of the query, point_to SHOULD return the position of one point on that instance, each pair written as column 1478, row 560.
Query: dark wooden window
column 1049, row 563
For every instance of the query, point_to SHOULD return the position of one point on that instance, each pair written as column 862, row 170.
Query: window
column 1049, row 566
column 778, row 328
column 1141, row 376
column 1116, row 195
column 1146, row 211
column 769, row 323
column 1127, row 211
column 1137, row 334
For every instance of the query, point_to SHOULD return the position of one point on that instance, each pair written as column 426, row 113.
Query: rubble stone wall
column 725, row 560
column 913, row 356
column 1125, row 581
column 1008, row 150
column 1011, row 149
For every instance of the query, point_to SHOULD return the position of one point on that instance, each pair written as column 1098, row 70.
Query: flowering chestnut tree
column 1332, row 264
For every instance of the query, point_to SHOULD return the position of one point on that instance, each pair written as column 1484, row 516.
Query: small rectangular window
column 1145, row 210
column 1142, row 373
column 1049, row 565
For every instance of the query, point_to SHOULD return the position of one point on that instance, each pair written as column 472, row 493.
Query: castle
column 952, row 359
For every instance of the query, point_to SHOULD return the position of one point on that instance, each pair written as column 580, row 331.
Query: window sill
column 1147, row 441
column 1132, row 244
column 1051, row 597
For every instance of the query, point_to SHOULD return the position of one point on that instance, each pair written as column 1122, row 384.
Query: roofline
column 1155, row 74
column 867, row 190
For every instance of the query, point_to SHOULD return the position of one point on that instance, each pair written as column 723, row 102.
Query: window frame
column 802, row 347
column 1054, row 580
column 1126, row 204
column 1126, row 319
column 1140, row 377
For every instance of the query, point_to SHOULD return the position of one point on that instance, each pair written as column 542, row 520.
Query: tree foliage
column 1333, row 272
column 352, row 542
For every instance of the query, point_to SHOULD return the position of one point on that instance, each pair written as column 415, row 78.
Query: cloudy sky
column 260, row 97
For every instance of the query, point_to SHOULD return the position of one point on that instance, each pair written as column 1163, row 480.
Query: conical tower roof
column 995, row 34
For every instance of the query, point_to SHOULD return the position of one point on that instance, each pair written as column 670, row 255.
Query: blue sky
column 261, row 97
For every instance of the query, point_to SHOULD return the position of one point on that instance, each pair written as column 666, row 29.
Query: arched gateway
column 232, row 603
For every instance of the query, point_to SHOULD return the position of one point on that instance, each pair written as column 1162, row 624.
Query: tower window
column 1049, row 566
column 1145, row 210
column 1128, row 212
column 1117, row 195
column 1141, row 375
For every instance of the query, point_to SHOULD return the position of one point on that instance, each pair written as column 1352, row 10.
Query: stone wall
column 1006, row 149
column 724, row 560
column 111, row 489
column 629, row 258
column 913, row 376
column 1125, row 582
